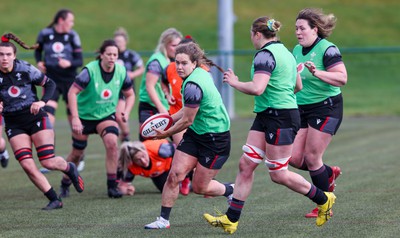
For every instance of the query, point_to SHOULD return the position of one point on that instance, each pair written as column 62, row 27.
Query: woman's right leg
column 21, row 145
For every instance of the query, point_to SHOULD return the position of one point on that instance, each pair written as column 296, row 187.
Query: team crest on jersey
column 106, row 94
column 18, row 76
column 14, row 91
column 313, row 54
column 58, row 47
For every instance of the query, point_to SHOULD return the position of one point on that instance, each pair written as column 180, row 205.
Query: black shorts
column 89, row 126
column 212, row 149
column 145, row 111
column 325, row 116
column 24, row 122
column 62, row 88
column 280, row 126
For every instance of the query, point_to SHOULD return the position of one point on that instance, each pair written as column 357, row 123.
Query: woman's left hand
column 230, row 77
column 36, row 106
column 160, row 134
column 310, row 66
column 63, row 63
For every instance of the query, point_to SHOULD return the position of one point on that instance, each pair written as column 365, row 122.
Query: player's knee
column 23, row 153
column 253, row 153
column 45, row 152
column 49, row 109
column 172, row 178
column 245, row 170
column 199, row 189
column 110, row 130
column 79, row 144
column 277, row 165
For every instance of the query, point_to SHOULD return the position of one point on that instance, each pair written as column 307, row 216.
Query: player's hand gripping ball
column 160, row 122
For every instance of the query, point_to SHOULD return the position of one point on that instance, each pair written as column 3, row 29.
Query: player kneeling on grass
column 26, row 122
column 150, row 159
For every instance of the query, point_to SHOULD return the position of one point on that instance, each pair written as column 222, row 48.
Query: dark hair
column 10, row 36
column 195, row 54
column 103, row 47
column 266, row 26
column 316, row 18
column 62, row 13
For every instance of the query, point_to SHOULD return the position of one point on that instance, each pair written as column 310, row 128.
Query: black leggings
column 159, row 181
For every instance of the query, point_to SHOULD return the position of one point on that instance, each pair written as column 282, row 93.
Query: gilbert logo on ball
column 160, row 122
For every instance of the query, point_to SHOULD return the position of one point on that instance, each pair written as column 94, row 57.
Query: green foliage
column 366, row 193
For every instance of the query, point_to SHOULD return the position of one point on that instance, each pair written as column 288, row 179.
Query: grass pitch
column 367, row 191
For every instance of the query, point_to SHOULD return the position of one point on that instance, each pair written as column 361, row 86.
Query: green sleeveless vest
column 143, row 95
column 279, row 93
column 314, row 90
column 99, row 99
column 212, row 116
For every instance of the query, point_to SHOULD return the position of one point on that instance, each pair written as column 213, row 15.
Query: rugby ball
column 160, row 122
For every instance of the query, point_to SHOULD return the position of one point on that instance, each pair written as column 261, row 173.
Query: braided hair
column 5, row 41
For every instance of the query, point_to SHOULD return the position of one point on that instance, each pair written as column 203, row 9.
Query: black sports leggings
column 159, row 181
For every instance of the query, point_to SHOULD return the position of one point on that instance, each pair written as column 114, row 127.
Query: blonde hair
column 121, row 32
column 166, row 37
column 325, row 23
column 127, row 152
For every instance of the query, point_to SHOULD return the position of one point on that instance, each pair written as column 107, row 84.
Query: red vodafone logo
column 106, row 94
column 300, row 68
column 58, row 47
column 14, row 91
